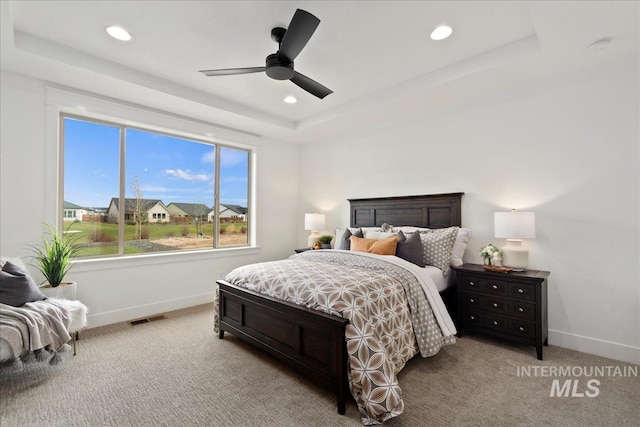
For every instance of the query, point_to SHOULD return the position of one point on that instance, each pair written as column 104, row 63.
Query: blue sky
column 168, row 168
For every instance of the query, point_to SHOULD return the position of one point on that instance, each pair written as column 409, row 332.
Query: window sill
column 97, row 264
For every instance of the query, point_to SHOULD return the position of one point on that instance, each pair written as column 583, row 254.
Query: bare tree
column 200, row 213
column 139, row 213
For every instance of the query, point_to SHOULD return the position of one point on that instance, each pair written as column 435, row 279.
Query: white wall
column 123, row 289
column 566, row 148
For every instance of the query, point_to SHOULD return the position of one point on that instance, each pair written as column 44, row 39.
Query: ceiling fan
column 279, row 65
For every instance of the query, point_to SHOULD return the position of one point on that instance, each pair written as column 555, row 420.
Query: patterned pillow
column 410, row 248
column 374, row 246
column 437, row 245
column 341, row 238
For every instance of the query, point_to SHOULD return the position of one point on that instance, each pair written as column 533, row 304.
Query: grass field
column 101, row 238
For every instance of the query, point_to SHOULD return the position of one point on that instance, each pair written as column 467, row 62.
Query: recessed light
column 441, row 33
column 119, row 33
column 290, row 99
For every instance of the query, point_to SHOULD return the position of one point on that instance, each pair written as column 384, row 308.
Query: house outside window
column 157, row 191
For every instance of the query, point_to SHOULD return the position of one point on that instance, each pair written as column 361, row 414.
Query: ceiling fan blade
column 311, row 86
column 232, row 71
column 302, row 26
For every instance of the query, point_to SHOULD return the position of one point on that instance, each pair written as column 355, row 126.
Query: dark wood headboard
column 429, row 211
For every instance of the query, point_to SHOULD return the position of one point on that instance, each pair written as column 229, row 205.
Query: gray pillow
column 410, row 248
column 343, row 242
column 17, row 287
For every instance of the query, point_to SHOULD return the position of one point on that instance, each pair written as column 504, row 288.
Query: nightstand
column 302, row 250
column 509, row 305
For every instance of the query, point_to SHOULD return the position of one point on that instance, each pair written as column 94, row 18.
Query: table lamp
column 315, row 223
column 515, row 226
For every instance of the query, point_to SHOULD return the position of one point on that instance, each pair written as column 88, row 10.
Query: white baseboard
column 612, row 350
column 131, row 313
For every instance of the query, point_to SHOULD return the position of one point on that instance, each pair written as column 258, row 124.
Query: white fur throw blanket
column 40, row 329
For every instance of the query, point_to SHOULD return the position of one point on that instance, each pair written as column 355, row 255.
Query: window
column 150, row 191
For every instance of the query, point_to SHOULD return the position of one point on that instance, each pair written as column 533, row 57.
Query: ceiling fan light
column 118, row 33
column 290, row 99
column 441, row 33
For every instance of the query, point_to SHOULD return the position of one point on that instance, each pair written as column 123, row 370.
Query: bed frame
column 310, row 341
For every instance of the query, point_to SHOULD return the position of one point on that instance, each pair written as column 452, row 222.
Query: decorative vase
column 66, row 290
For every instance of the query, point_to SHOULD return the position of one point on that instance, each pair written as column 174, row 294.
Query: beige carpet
column 176, row 372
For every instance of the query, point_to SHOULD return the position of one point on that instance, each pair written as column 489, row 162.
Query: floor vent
column 146, row 320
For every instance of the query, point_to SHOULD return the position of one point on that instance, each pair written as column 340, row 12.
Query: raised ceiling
column 376, row 56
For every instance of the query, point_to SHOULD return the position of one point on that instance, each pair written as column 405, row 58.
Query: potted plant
column 53, row 260
column 325, row 241
column 492, row 256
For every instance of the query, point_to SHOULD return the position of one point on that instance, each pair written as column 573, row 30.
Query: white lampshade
column 315, row 223
column 514, row 226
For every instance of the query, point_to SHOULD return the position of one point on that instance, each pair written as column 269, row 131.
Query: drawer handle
column 495, row 304
column 521, row 329
column 520, row 291
column 471, row 300
column 494, row 286
column 520, row 309
column 495, row 322
column 471, row 284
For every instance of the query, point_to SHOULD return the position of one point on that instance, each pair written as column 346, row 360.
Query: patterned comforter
column 390, row 317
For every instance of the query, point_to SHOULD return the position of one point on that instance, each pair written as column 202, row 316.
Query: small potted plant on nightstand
column 325, row 241
column 53, row 260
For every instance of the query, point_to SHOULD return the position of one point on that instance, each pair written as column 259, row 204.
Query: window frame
column 145, row 120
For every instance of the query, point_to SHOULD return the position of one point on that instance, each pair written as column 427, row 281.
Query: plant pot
column 66, row 290
column 325, row 245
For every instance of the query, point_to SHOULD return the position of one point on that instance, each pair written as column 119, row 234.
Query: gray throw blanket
column 35, row 328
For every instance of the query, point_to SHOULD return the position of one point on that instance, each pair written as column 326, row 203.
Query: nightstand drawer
column 522, row 328
column 495, row 287
column 473, row 318
column 522, row 310
column 495, row 305
column 523, row 291
column 496, row 323
column 470, row 284
column 471, row 301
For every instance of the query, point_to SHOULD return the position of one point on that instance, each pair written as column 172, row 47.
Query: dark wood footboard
column 309, row 341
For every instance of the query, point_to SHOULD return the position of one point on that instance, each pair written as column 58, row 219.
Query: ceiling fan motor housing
column 279, row 67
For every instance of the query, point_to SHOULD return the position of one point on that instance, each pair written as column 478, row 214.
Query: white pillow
column 408, row 229
column 373, row 234
column 459, row 246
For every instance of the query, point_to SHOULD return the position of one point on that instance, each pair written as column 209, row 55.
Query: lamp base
column 514, row 255
column 313, row 238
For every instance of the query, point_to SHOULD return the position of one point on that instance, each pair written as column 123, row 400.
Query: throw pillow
column 437, row 245
column 459, row 246
column 17, row 287
column 342, row 241
column 374, row 246
column 410, row 248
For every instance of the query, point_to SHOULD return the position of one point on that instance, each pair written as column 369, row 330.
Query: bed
column 328, row 341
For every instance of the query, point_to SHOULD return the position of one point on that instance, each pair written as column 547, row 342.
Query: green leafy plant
column 53, row 258
column 326, row 239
